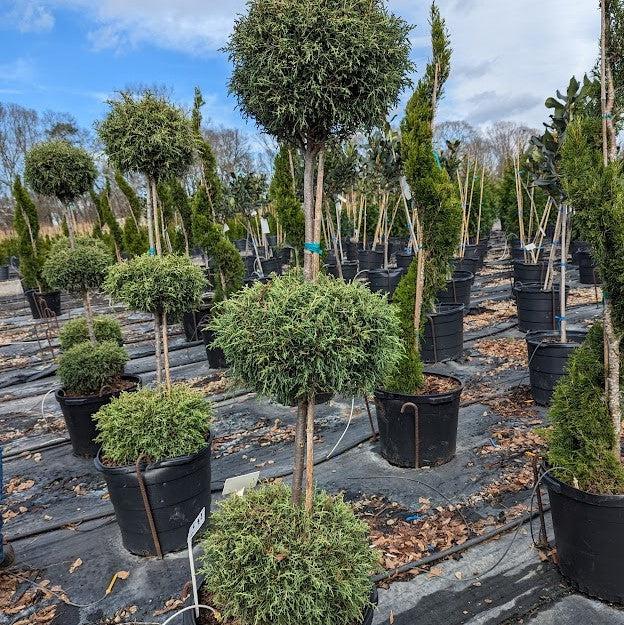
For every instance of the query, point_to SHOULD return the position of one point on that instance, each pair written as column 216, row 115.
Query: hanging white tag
column 254, row 213
column 338, row 205
column 225, row 228
column 530, row 247
column 405, row 188
column 264, row 224
column 342, row 198
column 195, row 527
column 240, row 483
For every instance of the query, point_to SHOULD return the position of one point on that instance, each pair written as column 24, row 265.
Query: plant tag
column 195, row 527
column 254, row 213
column 342, row 199
column 225, row 228
column 405, row 188
column 264, row 224
column 240, row 483
column 338, row 205
column 530, row 247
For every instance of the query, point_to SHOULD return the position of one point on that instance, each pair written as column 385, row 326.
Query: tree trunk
column 309, row 498
column 299, row 452
column 612, row 376
column 165, row 339
column 155, row 218
column 86, row 298
column 71, row 230
column 151, row 185
column 158, row 349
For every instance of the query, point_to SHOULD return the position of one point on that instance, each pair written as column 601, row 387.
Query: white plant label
column 253, row 213
column 405, row 188
column 530, row 247
column 195, row 527
column 240, row 483
column 338, row 205
column 264, row 224
column 225, row 228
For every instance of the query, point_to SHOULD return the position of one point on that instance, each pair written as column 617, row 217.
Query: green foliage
column 75, row 331
column 230, row 269
column 489, row 208
column 59, row 169
column 87, row 369
column 9, row 247
column 154, row 423
column 268, row 562
column 247, row 193
column 290, row 339
column 597, row 195
column 79, row 269
column 157, row 284
column 134, row 235
column 147, row 135
column 30, row 248
column 581, row 437
column 285, row 200
column 309, row 69
column 109, row 219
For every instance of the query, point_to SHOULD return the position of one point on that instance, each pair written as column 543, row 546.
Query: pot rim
column 461, row 275
column 145, row 468
column 535, row 287
column 59, row 394
column 591, row 499
column 423, row 398
column 446, row 309
column 534, row 338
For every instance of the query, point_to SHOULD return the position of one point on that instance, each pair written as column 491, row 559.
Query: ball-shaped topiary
column 295, row 567
column 147, row 135
column 88, row 369
column 157, row 424
column 75, row 331
column 170, row 285
column 59, row 169
column 291, row 339
column 79, row 269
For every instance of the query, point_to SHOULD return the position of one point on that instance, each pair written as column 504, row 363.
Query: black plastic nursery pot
column 188, row 617
column 418, row 430
column 176, row 490
column 577, row 246
column 193, row 320
column 78, row 414
column 588, row 534
column 587, row 268
column 240, row 244
column 370, row 259
column 458, row 290
column 466, row 264
column 4, row 273
column 216, row 357
column 477, row 253
column 517, row 253
column 537, row 309
column 548, row 359
column 271, row 265
column 443, row 336
column 529, row 272
column 349, row 269
column 44, row 305
column 384, row 280
column 404, row 260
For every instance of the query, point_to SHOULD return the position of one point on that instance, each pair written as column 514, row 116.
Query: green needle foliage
column 59, row 169
column 109, row 219
column 267, row 562
column 87, row 369
column 284, row 197
column 170, row 285
column 156, row 424
column 581, row 438
column 306, row 70
column 290, row 339
column 79, row 269
column 75, row 331
column 30, row 247
column 436, row 201
column 135, row 240
column 9, row 247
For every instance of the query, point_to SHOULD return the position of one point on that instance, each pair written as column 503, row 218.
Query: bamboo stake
column 562, row 294
column 309, row 496
column 480, row 205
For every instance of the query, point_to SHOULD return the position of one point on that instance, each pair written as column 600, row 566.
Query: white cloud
column 19, row 71
column 29, row 16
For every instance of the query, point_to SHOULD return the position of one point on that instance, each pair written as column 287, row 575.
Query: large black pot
column 588, row 534
column 216, row 357
column 476, row 253
column 283, row 254
column 404, row 260
column 240, row 244
column 44, row 305
column 351, row 248
column 466, row 264
column 458, row 290
column 349, row 270
column 517, row 253
column 548, row 359
column 443, row 337
column 537, row 309
column 177, row 489
column 529, row 272
column 384, row 280
column 271, row 265
column 193, row 320
column 423, row 436
column 78, row 414
column 188, row 617
column 250, row 264
column 576, row 247
column 587, row 268
column 370, row 259
column 4, row 272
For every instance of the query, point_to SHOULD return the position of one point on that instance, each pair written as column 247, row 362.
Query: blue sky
column 70, row 55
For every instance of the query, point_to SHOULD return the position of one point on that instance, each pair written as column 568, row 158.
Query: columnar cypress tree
column 110, row 220
column 134, row 233
column 437, row 206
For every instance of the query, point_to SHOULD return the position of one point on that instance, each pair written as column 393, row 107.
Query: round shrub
column 267, row 562
column 147, row 135
column 87, row 369
column 157, row 284
column 289, row 339
column 156, row 423
column 79, row 269
column 59, row 169
column 75, row 331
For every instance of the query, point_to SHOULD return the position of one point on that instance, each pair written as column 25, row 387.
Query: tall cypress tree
column 135, row 240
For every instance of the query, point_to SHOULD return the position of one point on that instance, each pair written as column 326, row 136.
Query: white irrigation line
column 43, row 402
column 190, row 607
column 345, row 431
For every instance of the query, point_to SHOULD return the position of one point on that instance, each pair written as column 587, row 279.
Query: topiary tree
column 26, row 224
column 165, row 286
column 80, row 269
column 76, row 331
column 270, row 337
column 109, row 219
column 436, row 206
column 61, row 170
column 134, row 234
